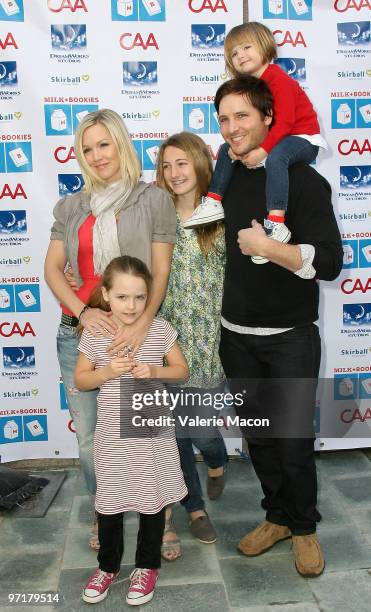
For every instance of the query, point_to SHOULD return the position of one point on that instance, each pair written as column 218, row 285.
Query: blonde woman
column 114, row 214
column 192, row 305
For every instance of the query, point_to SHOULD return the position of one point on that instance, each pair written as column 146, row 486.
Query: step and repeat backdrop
column 158, row 63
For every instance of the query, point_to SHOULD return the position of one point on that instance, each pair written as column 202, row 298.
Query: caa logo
column 355, row 177
column 147, row 151
column 68, row 184
column 285, row 37
column 357, row 254
column 7, row 192
column 341, row 6
column 57, row 6
column 200, row 119
column 8, row 74
column 138, row 10
column 294, row 66
column 207, row 36
column 353, row 113
column 11, row 10
column 20, row 298
column 129, row 41
column 8, row 41
column 16, row 157
column 349, row 285
column 67, row 37
column 136, row 74
column 64, row 154
column 355, row 33
column 288, row 9
column 63, row 119
column 198, row 6
column 13, row 222
column 19, row 357
column 346, row 147
column 7, row 329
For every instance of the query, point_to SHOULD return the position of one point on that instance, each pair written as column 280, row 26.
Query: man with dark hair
column 268, row 322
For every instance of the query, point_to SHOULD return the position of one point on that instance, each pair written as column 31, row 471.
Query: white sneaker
column 276, row 231
column 209, row 211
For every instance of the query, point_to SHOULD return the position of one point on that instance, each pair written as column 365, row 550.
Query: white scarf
column 105, row 204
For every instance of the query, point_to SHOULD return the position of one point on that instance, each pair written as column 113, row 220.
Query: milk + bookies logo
column 288, row 9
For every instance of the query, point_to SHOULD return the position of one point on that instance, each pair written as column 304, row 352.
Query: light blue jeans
column 82, row 404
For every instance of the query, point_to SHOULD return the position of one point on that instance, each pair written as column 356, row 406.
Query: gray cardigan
column 147, row 216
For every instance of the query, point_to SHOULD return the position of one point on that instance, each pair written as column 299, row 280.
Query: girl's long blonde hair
column 199, row 155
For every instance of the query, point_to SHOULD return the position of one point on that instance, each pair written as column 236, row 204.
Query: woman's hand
column 68, row 275
column 98, row 322
column 130, row 338
column 118, row 366
column 144, row 370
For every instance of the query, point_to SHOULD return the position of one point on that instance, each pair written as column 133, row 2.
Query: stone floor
column 50, row 555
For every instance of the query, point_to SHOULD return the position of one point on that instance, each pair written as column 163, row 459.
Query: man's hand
column 254, row 157
column 252, row 239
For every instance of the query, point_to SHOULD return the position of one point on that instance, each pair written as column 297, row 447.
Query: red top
column 85, row 262
column 293, row 111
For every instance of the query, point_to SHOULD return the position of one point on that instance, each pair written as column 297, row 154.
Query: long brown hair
column 119, row 265
column 199, row 155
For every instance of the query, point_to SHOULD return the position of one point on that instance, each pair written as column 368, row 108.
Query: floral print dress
column 193, row 306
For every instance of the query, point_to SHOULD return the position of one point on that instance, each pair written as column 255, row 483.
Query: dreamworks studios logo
column 353, row 34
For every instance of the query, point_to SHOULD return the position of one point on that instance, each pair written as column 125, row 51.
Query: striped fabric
column 137, row 473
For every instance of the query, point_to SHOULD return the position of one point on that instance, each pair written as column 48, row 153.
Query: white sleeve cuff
column 307, row 255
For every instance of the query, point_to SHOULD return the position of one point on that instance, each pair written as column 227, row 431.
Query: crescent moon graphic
column 356, row 178
column 208, row 38
column 362, row 313
column 69, row 33
column 13, row 219
column 356, row 33
column 77, row 185
column 22, row 355
column 140, row 76
column 293, row 67
column 2, row 71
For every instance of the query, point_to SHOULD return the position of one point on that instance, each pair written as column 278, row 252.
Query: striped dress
column 137, row 468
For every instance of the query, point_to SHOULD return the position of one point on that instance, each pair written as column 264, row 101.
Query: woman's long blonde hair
column 199, row 155
column 129, row 163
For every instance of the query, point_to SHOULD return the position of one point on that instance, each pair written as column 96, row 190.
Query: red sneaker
column 142, row 586
column 96, row 588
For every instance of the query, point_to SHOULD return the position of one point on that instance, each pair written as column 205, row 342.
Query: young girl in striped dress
column 137, row 469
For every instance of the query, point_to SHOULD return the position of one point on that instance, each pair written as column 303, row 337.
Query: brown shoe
column 309, row 560
column 263, row 538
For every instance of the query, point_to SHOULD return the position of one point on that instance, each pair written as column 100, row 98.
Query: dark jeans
column 285, row 466
column 208, row 441
column 290, row 150
column 111, row 532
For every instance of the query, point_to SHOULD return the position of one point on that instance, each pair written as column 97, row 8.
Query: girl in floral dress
column 192, row 305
